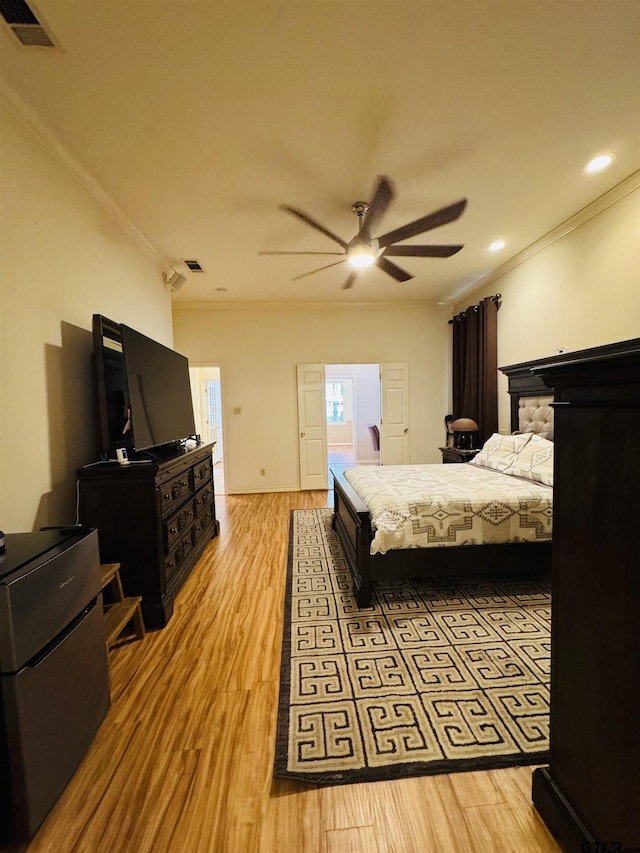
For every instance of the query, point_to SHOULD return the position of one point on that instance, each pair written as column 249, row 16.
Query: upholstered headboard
column 530, row 400
column 536, row 415
column 525, row 387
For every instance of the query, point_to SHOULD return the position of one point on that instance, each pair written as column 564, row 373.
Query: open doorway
column 206, row 391
column 353, row 405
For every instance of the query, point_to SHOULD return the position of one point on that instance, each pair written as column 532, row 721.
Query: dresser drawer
column 203, row 523
column 204, row 499
column 202, row 472
column 174, row 491
column 179, row 554
column 176, row 523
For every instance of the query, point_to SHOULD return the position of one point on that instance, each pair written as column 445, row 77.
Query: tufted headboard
column 525, row 387
column 536, row 415
column 530, row 399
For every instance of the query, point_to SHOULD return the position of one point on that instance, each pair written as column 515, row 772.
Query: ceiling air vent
column 193, row 265
column 25, row 25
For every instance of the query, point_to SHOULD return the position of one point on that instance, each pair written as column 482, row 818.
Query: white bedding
column 423, row 506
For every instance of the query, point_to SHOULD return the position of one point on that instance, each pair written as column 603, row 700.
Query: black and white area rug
column 438, row 676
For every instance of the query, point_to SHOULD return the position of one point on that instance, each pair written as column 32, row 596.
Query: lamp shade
column 465, row 433
column 464, row 425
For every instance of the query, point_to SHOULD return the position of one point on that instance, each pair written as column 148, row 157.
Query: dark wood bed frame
column 352, row 523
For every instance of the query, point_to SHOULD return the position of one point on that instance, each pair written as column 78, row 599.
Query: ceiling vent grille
column 193, row 265
column 25, row 25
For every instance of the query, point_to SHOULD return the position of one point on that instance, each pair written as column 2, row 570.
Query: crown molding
column 35, row 124
column 615, row 194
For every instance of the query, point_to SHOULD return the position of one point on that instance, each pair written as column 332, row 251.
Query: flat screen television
column 143, row 391
column 161, row 408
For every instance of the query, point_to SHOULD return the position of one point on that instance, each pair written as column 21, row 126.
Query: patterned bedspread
column 424, row 506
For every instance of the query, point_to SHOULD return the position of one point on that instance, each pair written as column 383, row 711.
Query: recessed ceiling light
column 496, row 245
column 599, row 163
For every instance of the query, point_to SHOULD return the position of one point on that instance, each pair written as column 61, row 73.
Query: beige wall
column 62, row 259
column 258, row 347
column 581, row 291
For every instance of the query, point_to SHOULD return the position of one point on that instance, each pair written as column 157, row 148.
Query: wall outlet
column 263, row 472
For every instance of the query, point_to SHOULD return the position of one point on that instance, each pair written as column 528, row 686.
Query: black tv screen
column 159, row 391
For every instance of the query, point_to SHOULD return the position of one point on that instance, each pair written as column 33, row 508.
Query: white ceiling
column 198, row 119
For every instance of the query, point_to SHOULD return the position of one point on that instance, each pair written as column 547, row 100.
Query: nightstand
column 454, row 454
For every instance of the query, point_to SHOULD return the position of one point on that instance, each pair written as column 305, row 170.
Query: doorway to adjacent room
column 390, row 411
column 352, row 405
column 206, row 390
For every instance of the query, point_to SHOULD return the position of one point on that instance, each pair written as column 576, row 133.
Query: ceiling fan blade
column 421, row 251
column 301, row 253
column 314, row 224
column 392, row 270
column 305, row 274
column 382, row 198
column 426, row 223
column 349, row 282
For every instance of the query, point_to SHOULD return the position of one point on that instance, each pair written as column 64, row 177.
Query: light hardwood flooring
column 183, row 761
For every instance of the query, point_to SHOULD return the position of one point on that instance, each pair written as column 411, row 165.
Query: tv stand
column 155, row 519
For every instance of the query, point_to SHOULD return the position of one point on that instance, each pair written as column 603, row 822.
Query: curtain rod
column 495, row 298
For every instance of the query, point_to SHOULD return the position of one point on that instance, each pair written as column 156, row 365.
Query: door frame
column 405, row 442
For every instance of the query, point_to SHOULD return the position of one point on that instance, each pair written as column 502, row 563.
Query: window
column 335, row 402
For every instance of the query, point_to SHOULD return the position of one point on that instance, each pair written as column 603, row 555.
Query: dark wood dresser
column 590, row 792
column 155, row 519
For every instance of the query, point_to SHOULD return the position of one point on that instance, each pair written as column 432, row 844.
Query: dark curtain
column 475, row 365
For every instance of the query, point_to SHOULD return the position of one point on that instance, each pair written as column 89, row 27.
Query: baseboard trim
column 254, row 491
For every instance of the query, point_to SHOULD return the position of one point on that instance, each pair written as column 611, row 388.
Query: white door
column 213, row 415
column 312, row 424
column 394, row 403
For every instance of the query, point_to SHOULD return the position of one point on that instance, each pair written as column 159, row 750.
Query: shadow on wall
column 71, row 422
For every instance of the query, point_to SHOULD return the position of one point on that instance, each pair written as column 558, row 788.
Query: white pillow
column 534, row 461
column 500, row 451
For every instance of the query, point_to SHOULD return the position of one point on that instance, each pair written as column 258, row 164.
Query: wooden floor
column 183, row 762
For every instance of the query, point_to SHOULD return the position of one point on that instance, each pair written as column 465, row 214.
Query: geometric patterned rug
column 439, row 675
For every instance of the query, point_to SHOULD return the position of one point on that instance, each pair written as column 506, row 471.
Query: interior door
column 312, row 423
column 394, row 404
column 211, row 409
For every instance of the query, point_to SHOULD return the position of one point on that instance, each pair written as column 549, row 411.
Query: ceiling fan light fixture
column 361, row 252
column 361, row 257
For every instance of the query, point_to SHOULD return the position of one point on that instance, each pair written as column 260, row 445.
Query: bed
column 453, row 543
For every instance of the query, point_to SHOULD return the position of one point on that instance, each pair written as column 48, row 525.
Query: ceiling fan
column 366, row 250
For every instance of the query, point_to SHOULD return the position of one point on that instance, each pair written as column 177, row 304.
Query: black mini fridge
column 54, row 674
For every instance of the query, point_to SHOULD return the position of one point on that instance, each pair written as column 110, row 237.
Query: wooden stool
column 122, row 610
